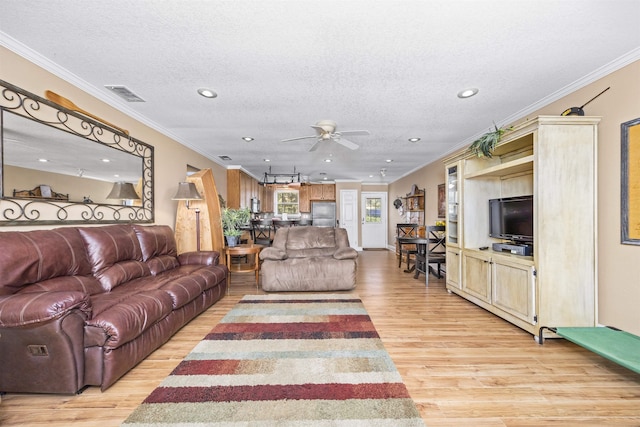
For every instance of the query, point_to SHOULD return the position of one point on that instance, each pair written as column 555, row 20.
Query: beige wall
column 170, row 157
column 618, row 266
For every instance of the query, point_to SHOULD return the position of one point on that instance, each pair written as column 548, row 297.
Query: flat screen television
column 512, row 218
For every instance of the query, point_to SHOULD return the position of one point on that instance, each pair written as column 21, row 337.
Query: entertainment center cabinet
column 554, row 159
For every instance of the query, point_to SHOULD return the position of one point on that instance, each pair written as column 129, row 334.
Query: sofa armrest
column 39, row 307
column 273, row 254
column 345, row 253
column 199, row 258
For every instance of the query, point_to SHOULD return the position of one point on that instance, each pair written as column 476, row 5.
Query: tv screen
column 512, row 218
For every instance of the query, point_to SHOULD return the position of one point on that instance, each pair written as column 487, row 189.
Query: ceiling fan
column 326, row 131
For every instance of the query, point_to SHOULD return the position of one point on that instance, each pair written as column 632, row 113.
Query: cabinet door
column 476, row 280
column 266, row 199
column 513, row 289
column 452, row 206
column 329, row 192
column 322, row 192
column 305, row 205
column 315, row 191
column 453, row 268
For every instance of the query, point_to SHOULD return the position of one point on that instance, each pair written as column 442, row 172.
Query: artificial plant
column 484, row 146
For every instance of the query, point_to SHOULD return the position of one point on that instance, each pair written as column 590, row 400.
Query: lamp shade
column 187, row 191
column 123, row 190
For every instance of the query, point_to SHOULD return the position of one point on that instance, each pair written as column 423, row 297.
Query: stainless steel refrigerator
column 323, row 214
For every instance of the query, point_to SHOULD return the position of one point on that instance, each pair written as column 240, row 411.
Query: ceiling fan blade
column 316, row 145
column 350, row 145
column 298, row 138
column 354, row 132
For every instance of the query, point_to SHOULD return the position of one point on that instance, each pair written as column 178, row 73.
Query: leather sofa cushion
column 158, row 247
column 162, row 263
column 186, row 283
column 121, row 272
column 155, row 240
column 86, row 284
column 37, row 307
column 114, row 254
column 40, row 255
column 124, row 313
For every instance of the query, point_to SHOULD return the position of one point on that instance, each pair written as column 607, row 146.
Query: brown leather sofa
column 309, row 259
column 82, row 306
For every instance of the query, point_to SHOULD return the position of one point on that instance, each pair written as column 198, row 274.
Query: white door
column 373, row 212
column 349, row 215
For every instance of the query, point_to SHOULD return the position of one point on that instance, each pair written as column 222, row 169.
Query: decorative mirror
column 58, row 166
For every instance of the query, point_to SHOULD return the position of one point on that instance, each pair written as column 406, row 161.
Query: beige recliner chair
column 309, row 259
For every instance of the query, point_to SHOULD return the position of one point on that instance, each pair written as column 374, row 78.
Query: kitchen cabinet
column 325, row 192
column 303, row 199
column 240, row 189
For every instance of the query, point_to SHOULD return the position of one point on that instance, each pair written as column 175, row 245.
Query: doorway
column 373, row 211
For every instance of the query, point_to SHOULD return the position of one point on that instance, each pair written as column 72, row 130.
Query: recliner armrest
column 345, row 253
column 38, row 307
column 199, row 258
column 273, row 254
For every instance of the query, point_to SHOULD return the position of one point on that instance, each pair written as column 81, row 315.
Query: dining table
column 423, row 259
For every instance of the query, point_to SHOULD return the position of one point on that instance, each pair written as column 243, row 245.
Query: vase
column 232, row 241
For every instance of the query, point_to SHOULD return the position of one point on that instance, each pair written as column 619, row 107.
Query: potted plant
column 232, row 220
column 484, row 146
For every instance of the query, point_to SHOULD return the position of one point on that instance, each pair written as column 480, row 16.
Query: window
column 373, row 210
column 287, row 201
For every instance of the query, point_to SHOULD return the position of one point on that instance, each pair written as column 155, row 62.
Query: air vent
column 124, row 93
column 225, row 158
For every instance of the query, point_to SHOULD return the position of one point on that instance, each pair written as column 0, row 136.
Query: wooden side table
column 240, row 250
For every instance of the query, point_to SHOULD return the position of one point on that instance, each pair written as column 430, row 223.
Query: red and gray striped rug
column 285, row 360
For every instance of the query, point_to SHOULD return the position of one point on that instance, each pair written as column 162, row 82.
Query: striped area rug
column 285, row 360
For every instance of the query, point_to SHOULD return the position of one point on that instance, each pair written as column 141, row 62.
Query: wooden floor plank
column 463, row 366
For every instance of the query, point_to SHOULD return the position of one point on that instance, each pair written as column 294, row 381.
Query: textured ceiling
column 390, row 67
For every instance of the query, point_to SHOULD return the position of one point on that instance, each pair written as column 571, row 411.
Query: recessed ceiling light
column 105, row 160
column 43, row 160
column 327, row 160
column 247, row 138
column 467, row 93
column 267, row 160
column 207, row 93
column 224, row 157
column 414, row 139
column 389, row 160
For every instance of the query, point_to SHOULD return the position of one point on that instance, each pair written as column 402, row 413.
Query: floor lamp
column 187, row 191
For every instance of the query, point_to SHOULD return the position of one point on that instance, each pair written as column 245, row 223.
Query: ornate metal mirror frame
column 16, row 211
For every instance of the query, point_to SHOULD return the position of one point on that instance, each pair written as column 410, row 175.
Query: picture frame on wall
column 442, row 202
column 630, row 182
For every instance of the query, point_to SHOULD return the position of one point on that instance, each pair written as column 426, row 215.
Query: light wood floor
column 462, row 365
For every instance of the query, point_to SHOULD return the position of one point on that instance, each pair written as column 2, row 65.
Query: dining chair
column 435, row 252
column 262, row 232
column 406, row 250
